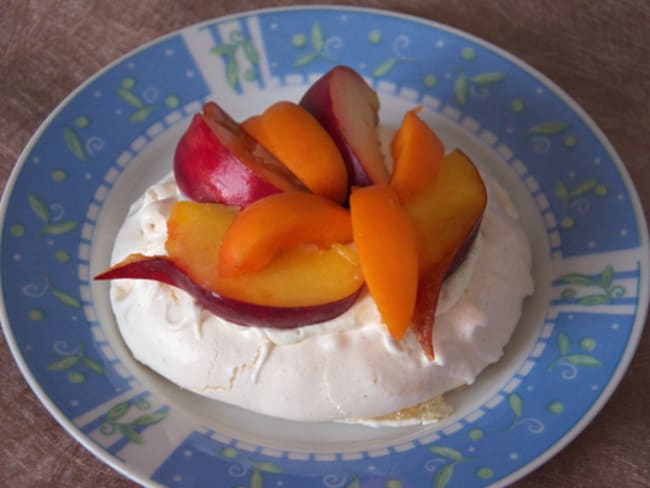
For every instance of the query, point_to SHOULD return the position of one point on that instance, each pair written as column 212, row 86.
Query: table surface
column 598, row 52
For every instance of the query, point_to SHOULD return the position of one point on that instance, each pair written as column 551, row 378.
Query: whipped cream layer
column 347, row 368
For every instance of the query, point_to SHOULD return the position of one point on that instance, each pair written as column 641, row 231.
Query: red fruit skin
column 464, row 248
column 211, row 162
column 206, row 171
column 320, row 101
column 429, row 286
column 162, row 269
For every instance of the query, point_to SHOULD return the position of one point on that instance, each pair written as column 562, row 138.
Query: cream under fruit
column 346, row 369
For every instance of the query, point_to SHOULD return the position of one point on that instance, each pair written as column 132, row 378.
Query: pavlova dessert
column 286, row 268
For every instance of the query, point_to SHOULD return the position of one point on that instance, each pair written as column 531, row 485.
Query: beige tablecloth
column 599, row 52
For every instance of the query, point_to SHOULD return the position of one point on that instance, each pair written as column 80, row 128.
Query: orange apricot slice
column 386, row 244
column 296, row 138
column 299, row 277
column 265, row 228
column 446, row 210
column 417, row 153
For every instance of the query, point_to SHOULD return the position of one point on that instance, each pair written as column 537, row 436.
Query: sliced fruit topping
column 446, row 215
column 298, row 277
column 217, row 161
column 417, row 153
column 348, row 109
column 296, row 138
column 301, row 286
column 194, row 235
column 386, row 243
column 446, row 210
column 164, row 270
column 269, row 226
column 424, row 316
column 283, row 261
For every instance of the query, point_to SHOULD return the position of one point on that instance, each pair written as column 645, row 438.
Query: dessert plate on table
column 116, row 134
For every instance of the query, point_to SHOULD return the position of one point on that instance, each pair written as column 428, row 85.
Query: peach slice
column 348, row 109
column 296, row 138
column 446, row 215
column 217, row 161
column 164, row 270
column 298, row 277
column 417, row 153
column 386, row 243
column 278, row 222
column 302, row 286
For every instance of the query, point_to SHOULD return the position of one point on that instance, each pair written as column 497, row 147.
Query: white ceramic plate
column 115, row 135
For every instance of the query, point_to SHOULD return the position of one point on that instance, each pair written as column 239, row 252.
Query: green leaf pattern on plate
column 66, row 299
column 562, row 192
column 584, row 187
column 50, row 226
column 317, row 44
column 74, row 144
column 117, row 412
column 59, row 228
column 228, row 52
column 39, row 207
column 63, row 297
column 399, row 43
column 575, row 201
column 317, row 38
column 571, row 360
column 466, row 85
column 129, row 97
column 141, row 109
column 63, row 363
column 450, row 458
column 460, row 89
column 447, row 453
column 549, row 128
column 130, row 430
column 305, row 59
column 444, row 475
column 604, row 283
column 256, row 478
column 516, row 404
column 250, row 52
column 69, row 360
column 487, row 78
column 563, row 344
column 141, row 114
column 384, row 68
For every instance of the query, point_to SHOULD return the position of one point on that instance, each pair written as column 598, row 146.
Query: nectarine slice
column 386, row 244
column 446, row 215
column 217, row 161
column 273, row 224
column 164, row 270
column 348, row 108
column 446, row 210
column 298, row 277
column 296, row 138
column 417, row 153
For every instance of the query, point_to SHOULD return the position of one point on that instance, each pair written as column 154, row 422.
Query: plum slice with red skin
column 217, row 161
column 348, row 108
column 164, row 270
